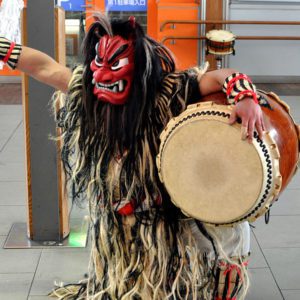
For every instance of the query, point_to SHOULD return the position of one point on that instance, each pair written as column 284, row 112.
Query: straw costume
column 142, row 246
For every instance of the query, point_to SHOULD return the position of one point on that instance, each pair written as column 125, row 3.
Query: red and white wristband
column 9, row 52
column 238, row 86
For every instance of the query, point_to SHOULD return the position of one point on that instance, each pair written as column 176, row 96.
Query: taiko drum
column 214, row 176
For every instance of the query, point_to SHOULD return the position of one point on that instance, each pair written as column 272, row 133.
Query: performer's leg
column 227, row 249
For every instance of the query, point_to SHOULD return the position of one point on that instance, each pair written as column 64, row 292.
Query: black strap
column 267, row 216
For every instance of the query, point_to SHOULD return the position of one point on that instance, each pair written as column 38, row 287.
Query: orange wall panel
column 97, row 6
column 7, row 72
column 152, row 22
column 185, row 51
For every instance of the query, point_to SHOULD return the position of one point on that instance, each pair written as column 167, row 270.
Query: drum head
column 205, row 162
column 219, row 35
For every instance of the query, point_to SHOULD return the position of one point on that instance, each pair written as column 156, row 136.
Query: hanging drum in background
column 220, row 42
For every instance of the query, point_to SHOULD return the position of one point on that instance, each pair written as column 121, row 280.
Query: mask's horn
column 131, row 20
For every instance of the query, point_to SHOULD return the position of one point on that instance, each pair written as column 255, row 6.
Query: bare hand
column 252, row 118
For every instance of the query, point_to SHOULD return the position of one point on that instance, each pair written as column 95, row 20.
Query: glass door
column 75, row 29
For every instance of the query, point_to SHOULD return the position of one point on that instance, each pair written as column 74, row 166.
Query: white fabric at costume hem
column 235, row 241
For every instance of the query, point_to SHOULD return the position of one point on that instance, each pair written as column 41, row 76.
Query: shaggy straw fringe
column 136, row 256
column 140, row 270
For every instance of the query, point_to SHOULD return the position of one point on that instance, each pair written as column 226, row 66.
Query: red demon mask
column 113, row 69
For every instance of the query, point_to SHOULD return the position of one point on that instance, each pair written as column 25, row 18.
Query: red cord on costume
column 247, row 92
column 7, row 56
column 232, row 82
column 127, row 209
column 229, row 269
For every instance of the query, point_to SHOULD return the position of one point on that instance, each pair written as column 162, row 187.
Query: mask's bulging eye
column 120, row 63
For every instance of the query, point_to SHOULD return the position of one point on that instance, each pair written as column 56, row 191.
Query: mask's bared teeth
column 121, row 85
column 116, row 87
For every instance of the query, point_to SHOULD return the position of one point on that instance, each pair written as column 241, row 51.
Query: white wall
column 266, row 58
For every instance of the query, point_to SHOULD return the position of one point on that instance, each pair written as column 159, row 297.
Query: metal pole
column 203, row 30
column 226, row 17
column 228, row 22
column 44, row 185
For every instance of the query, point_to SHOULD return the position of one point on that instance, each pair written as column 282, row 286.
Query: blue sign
column 72, row 5
column 126, row 5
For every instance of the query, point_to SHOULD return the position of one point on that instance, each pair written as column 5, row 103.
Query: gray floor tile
column 15, row 286
column 17, row 140
column 257, row 259
column 9, row 128
column 2, row 240
column 263, row 286
column 3, row 140
column 39, row 298
column 5, row 135
column 10, row 215
column 18, row 260
column 12, row 171
column 8, row 120
column 13, row 155
column 18, row 135
column 282, row 231
column 288, row 204
column 293, row 102
column 291, row 294
column 55, row 265
column 13, row 110
column 285, row 265
column 295, row 182
column 12, row 193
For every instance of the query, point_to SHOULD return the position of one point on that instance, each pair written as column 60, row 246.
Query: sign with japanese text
column 126, row 5
column 72, row 5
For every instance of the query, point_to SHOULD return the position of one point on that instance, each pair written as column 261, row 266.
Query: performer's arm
column 44, row 68
column 35, row 63
column 212, row 82
column 247, row 109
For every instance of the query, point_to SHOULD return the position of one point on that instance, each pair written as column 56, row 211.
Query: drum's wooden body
column 215, row 177
column 282, row 128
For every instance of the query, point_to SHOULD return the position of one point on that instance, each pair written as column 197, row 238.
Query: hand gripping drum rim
column 266, row 149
